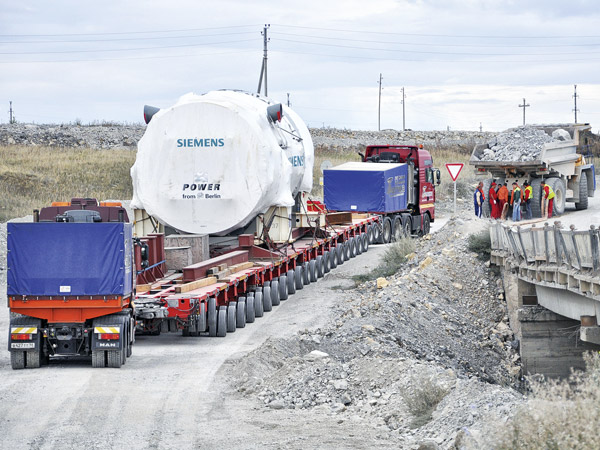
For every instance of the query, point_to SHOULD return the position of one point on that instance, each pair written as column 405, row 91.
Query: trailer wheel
column 332, row 258
column 378, row 233
column 365, row 239
column 202, row 323
column 275, row 298
column 298, row 277
column 320, row 263
column 583, row 193
column 283, row 287
column 212, row 317
column 536, row 198
column 560, row 195
column 397, row 229
column 258, row 304
column 387, row 230
column 370, row 233
column 406, row 226
column 291, row 282
column 346, row 251
column 353, row 247
column 250, row 310
column 17, row 359
column 231, row 317
column 306, row 274
column 115, row 358
column 240, row 311
column 326, row 262
column 312, row 270
column 267, row 302
column 98, row 359
column 222, row 322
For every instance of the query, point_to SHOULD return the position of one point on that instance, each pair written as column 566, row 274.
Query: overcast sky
column 461, row 63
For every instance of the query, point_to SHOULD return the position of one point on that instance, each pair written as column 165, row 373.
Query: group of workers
column 520, row 199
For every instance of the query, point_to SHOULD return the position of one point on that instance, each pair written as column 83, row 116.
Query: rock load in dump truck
column 210, row 163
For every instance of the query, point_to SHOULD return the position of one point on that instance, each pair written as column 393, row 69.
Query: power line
column 429, row 44
column 126, row 32
column 444, row 35
column 148, row 38
column 124, row 49
column 433, row 52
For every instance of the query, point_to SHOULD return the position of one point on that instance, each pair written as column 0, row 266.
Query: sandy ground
column 170, row 394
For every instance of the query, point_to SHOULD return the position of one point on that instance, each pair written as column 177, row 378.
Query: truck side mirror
column 438, row 176
column 362, row 157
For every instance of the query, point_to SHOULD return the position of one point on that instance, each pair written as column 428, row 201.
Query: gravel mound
column 127, row 136
column 429, row 358
column 517, row 144
column 93, row 136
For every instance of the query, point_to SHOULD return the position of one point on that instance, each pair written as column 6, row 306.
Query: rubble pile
column 517, row 144
column 437, row 328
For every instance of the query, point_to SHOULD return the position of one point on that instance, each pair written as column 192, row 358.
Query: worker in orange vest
column 503, row 200
column 527, row 198
column 547, row 199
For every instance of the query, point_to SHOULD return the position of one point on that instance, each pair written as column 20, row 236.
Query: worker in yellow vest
column 547, row 200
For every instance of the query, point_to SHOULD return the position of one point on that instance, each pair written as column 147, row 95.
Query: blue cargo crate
column 69, row 259
column 366, row 187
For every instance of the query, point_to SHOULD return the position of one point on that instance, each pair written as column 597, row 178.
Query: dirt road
column 170, row 393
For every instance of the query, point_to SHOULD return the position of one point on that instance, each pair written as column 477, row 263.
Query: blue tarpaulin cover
column 66, row 259
column 366, row 187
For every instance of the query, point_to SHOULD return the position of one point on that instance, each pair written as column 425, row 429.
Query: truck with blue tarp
column 396, row 182
column 70, row 284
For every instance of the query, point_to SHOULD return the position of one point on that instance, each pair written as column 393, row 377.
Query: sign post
column 454, row 169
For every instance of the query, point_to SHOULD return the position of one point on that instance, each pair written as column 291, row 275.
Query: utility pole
column 575, row 99
column 480, row 127
column 524, row 105
column 263, row 69
column 379, row 108
column 403, row 111
column 10, row 114
column 288, row 102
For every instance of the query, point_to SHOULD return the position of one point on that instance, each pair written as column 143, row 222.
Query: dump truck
column 70, row 284
column 564, row 164
column 395, row 182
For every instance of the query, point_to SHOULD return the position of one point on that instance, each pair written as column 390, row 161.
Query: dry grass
column 422, row 400
column 559, row 414
column 33, row 177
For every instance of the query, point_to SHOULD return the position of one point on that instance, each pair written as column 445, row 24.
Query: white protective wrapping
column 211, row 163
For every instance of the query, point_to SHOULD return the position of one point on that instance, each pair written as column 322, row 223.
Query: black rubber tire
column 299, row 277
column 406, row 226
column 378, row 232
column 283, row 287
column 267, row 299
column 326, row 262
column 340, row 252
column 250, row 310
column 306, row 273
column 583, row 193
column 536, row 198
column 426, row 224
column 231, row 317
column 259, row 307
column 125, row 337
column 312, row 270
column 212, row 317
column 202, row 321
column 397, row 228
column 114, row 358
column 359, row 244
column 291, row 282
column 353, row 247
column 222, row 321
column 387, row 230
column 98, row 359
column 366, row 243
column 319, row 262
column 486, row 210
column 370, row 231
column 17, row 359
column 333, row 262
column 240, row 313
column 275, row 298
column 560, row 195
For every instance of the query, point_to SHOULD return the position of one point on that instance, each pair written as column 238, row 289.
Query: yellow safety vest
column 550, row 192
column 529, row 190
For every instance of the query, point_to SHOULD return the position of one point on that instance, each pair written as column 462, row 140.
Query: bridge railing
column 548, row 245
